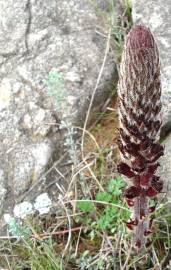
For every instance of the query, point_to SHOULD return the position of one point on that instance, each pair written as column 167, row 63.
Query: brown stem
column 58, row 232
column 142, row 217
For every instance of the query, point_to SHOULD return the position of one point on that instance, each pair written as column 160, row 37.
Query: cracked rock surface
column 51, row 53
column 165, row 168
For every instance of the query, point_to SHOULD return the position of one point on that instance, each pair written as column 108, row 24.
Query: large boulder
column 51, row 53
column 165, row 168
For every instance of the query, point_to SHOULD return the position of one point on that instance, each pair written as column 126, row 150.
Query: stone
column 27, row 165
column 165, row 168
column 37, row 121
column 50, row 58
column 5, row 94
column 156, row 15
column 3, row 190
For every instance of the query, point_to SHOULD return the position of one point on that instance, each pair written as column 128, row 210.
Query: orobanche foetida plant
column 139, row 92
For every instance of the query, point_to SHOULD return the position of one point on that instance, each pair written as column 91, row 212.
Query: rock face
column 165, row 168
column 50, row 58
column 155, row 15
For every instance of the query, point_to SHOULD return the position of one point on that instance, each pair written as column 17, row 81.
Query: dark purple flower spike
column 139, row 92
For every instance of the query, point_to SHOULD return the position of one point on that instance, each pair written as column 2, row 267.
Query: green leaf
column 85, row 206
column 115, row 186
column 85, row 253
column 108, row 218
column 103, row 196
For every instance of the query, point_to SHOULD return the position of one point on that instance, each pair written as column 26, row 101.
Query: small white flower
column 7, row 218
column 43, row 203
column 23, row 209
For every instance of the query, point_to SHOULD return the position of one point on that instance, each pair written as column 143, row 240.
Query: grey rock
column 156, row 15
column 27, row 164
column 37, row 121
column 50, row 58
column 165, row 168
column 3, row 190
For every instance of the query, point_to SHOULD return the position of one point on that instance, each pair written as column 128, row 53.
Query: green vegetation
column 95, row 238
column 56, row 88
column 108, row 210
